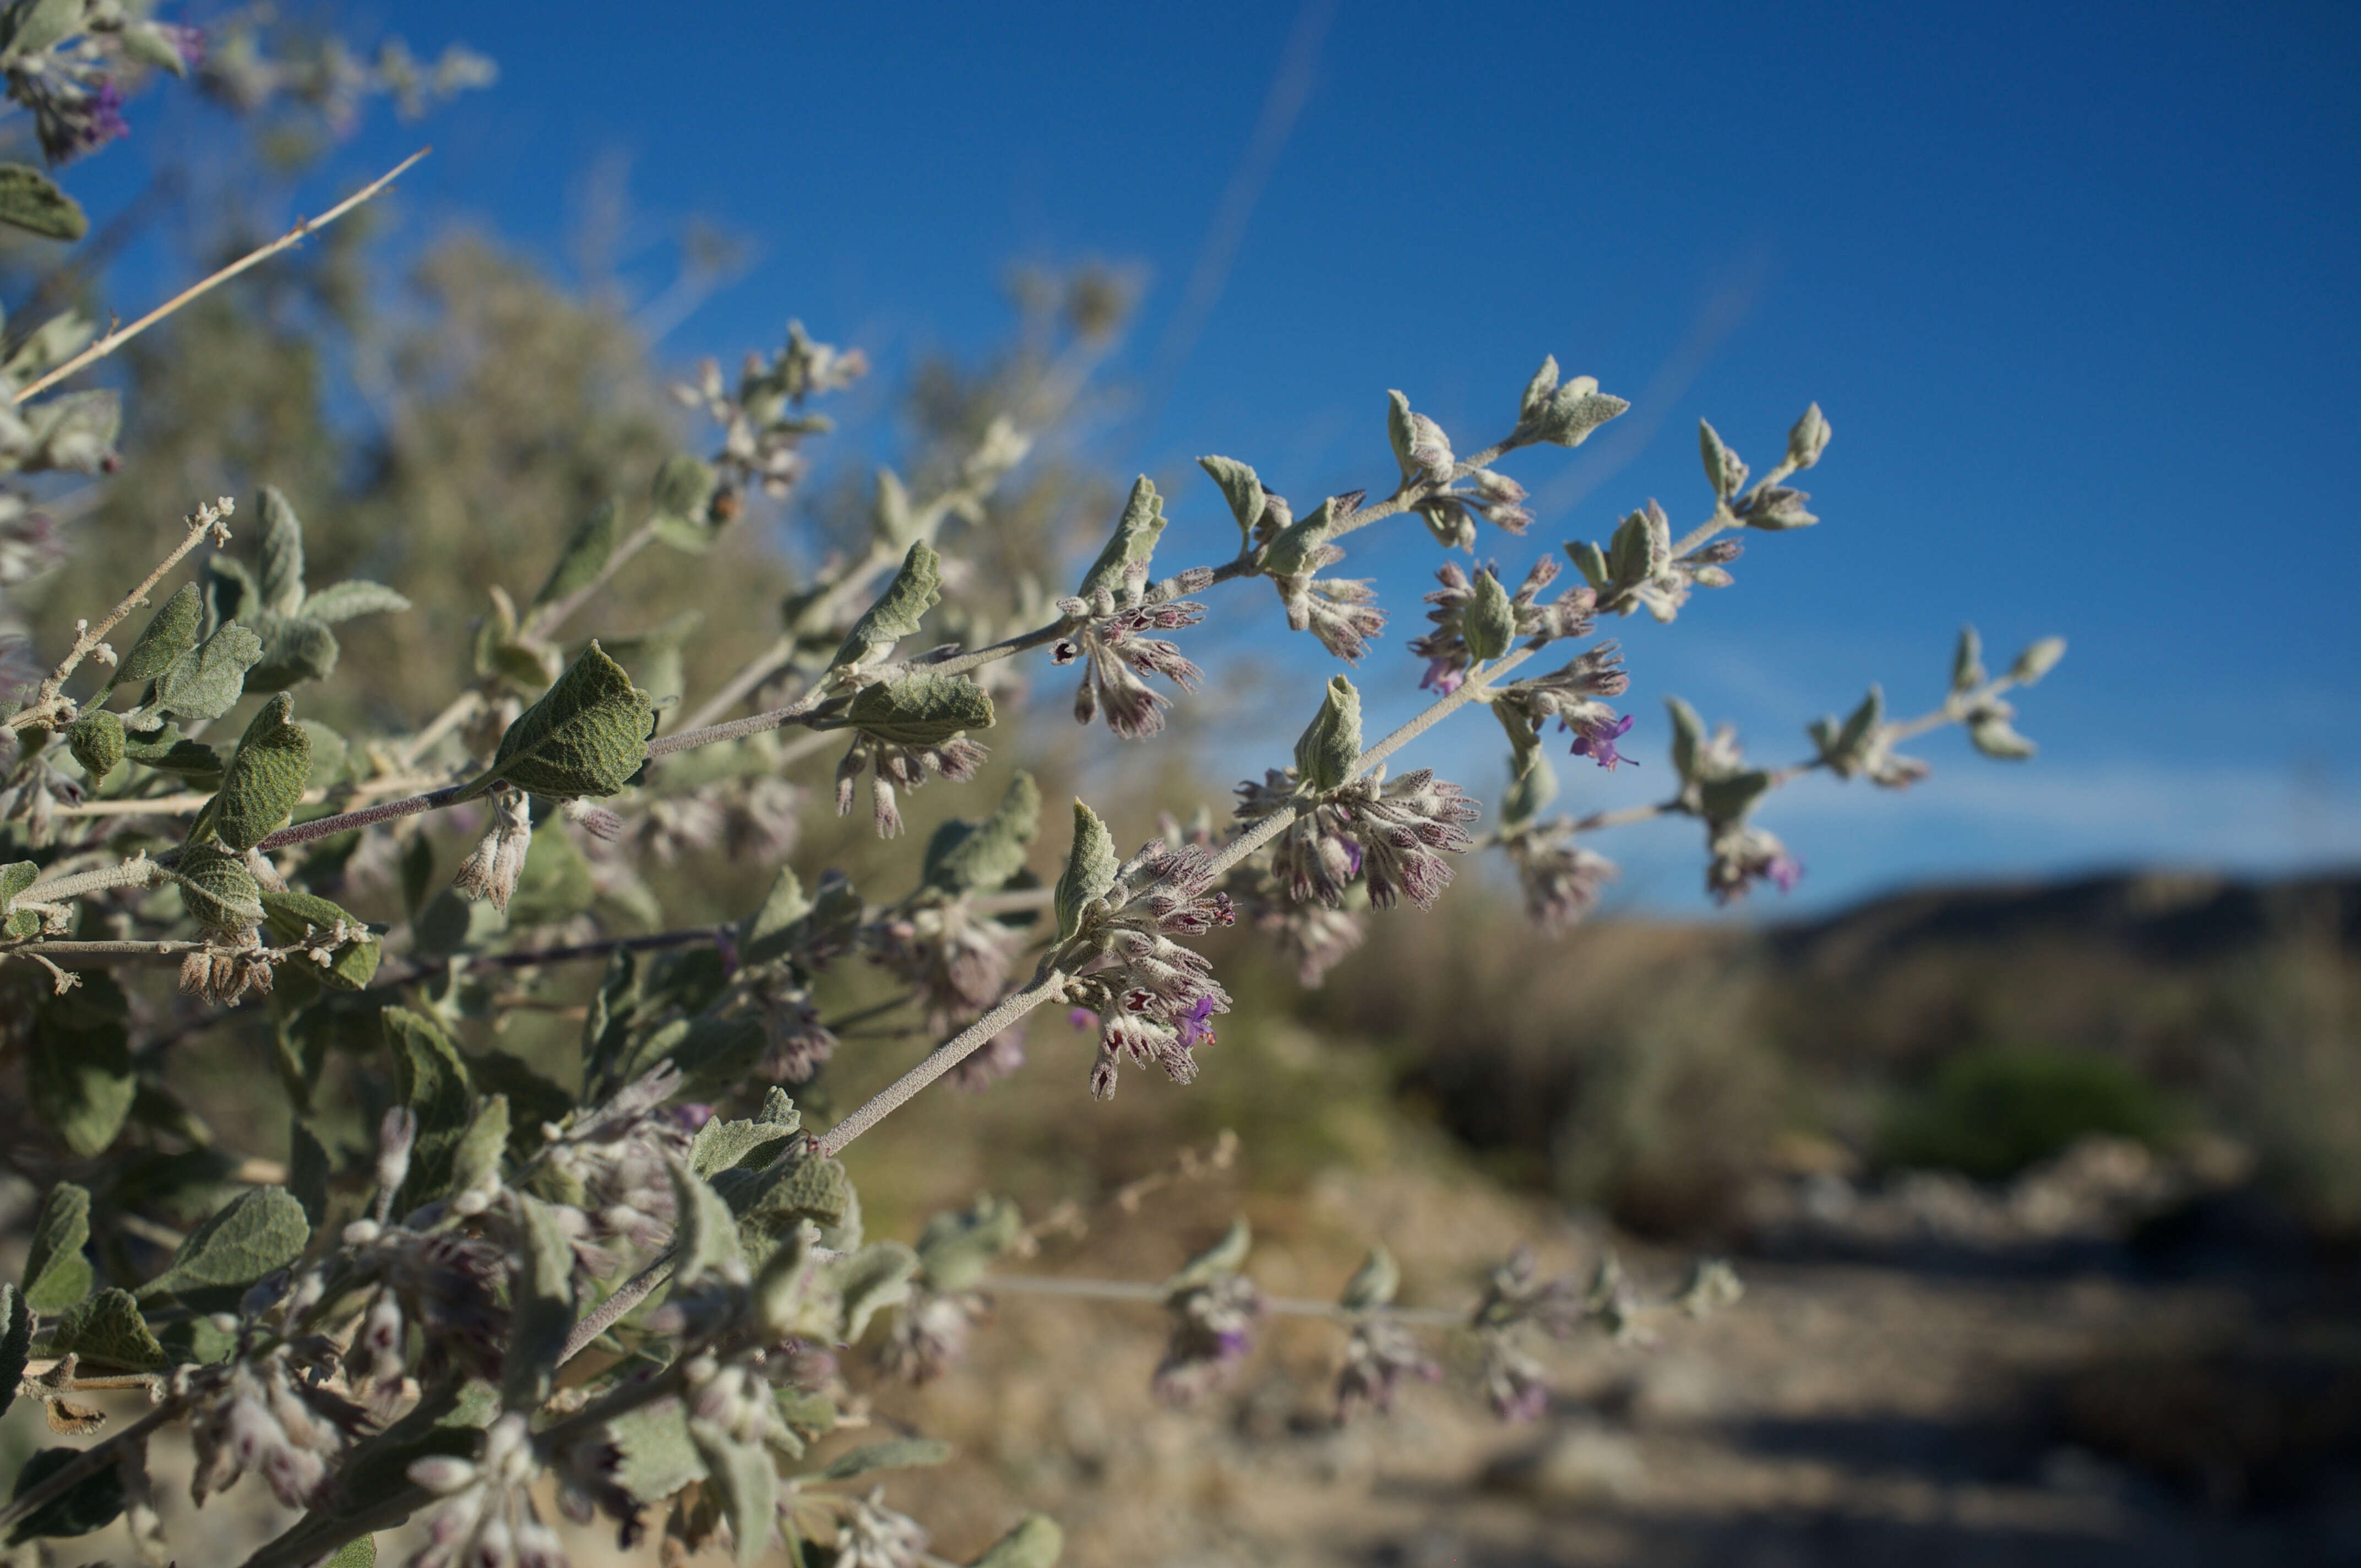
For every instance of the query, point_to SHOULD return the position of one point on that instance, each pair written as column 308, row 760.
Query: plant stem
column 303, row 229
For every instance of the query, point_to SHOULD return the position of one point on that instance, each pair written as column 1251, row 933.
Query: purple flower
column 1196, row 1026
column 1785, row 871
column 188, row 42
column 1595, row 738
column 1442, row 676
column 1082, row 1018
column 107, row 121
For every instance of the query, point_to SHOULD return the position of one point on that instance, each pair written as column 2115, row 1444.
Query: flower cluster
column 761, row 418
column 1116, row 656
column 267, row 1411
column 1446, row 648
column 1213, row 1331
column 1562, row 882
column 613, row 1166
column 1153, row 998
column 1377, row 1357
column 1390, row 833
column 486, row 1517
column 1574, row 698
column 907, row 764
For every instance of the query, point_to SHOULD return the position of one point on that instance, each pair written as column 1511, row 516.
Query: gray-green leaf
column 1090, row 869
column 266, row 778
column 915, row 588
column 295, row 649
column 894, row 1453
column 1036, row 1542
column 749, row 1484
column 586, row 736
column 220, row 893
column 30, row 200
column 206, row 681
column 108, row 1328
column 169, row 633
column 57, row 1274
column 1241, row 486
column 256, row 1233
column 980, row 856
column 96, row 741
column 1490, row 622
column 80, row 1081
column 1331, row 743
column 342, row 601
column 921, row 708
column 544, row 1313
column 1225, row 1256
column 705, row 1237
column 281, row 553
column 585, row 554
column 871, row 1280
column 1133, row 543
column 658, row 1457
column 294, row 916
column 431, row 1078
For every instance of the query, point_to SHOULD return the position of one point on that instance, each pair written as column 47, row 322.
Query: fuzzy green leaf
column 722, row 1145
column 358, row 1552
column 1331, row 743
column 871, row 1280
column 1373, row 1284
column 15, row 879
column 1688, row 735
column 169, row 751
column 921, row 708
column 16, row 1343
column 476, row 1158
column 80, row 1082
column 107, row 1329
column 658, row 1459
column 1036, row 1542
column 1730, row 799
column 57, row 1274
column 431, row 1078
column 543, row 1314
column 1241, row 486
column 683, row 503
column 266, row 778
column 1490, row 622
column 1225, row 1256
column 749, row 1484
column 220, row 893
column 256, row 1233
column 295, row 649
column 342, row 601
column 206, row 681
column 705, row 1237
column 585, row 554
column 169, row 633
column 1090, row 869
column 91, row 1503
column 767, row 934
column 96, row 741
column 30, row 200
column 1129, row 552
column 894, row 1453
column 915, row 590
column 959, row 1247
column 978, row 857
column 293, row 917
column 586, row 736
column 280, row 554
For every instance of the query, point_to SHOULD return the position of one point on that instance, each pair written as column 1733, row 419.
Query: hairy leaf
column 16, row 1343
column 169, row 633
column 768, row 933
column 431, row 1078
column 958, row 1248
column 1331, row 743
column 704, row 1238
column 683, row 503
column 292, row 917
column 91, row 1503
column 898, row 610
column 921, row 708
column 295, row 649
column 1128, row 554
column 585, row 554
column 1036, row 1542
column 543, row 1314
column 1226, row 1255
column 266, row 778
column 206, row 681
column 342, row 601
column 722, row 1145
column 894, row 1453
column 169, row 751
column 658, row 1457
column 1730, row 799
column 749, row 1484
column 108, row 1330
column 15, row 879
column 979, row 857
column 869, row 1280
column 1374, row 1283
column 586, row 736
column 1090, row 869
column 30, row 200
column 57, row 1274
column 280, row 554
column 256, row 1233
column 1490, row 622
column 220, row 893
column 80, row 1082
column 96, row 741
column 1241, row 486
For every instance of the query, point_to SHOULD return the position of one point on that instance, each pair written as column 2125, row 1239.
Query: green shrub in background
column 1992, row 1112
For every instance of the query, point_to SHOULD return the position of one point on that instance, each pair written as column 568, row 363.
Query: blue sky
column 2076, row 285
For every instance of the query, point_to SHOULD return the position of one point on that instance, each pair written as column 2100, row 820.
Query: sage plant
column 643, row 1298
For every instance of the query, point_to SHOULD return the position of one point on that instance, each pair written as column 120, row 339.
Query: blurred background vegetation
column 1895, row 1083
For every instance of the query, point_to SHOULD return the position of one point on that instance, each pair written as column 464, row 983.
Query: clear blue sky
column 2076, row 284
